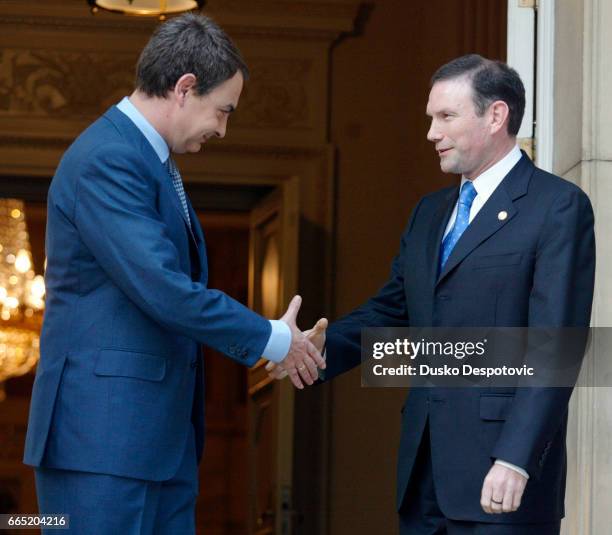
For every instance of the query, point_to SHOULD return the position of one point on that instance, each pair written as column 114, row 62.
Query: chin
column 450, row 167
column 194, row 147
column 446, row 168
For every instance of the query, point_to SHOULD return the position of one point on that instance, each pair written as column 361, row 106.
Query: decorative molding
column 278, row 152
column 595, row 92
column 82, row 85
column 95, row 25
column 277, row 95
column 318, row 19
column 322, row 19
column 545, row 83
column 328, row 9
column 52, row 83
column 85, row 23
column 521, row 56
column 590, row 426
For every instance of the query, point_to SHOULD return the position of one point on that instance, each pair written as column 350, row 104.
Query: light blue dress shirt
column 280, row 338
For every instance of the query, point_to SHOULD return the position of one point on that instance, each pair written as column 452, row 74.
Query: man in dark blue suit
column 116, row 425
column 512, row 246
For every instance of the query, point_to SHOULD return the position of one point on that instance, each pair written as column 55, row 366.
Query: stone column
column 582, row 152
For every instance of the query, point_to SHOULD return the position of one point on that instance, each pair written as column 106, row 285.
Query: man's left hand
column 502, row 490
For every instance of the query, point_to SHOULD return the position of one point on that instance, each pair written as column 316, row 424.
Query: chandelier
column 21, row 295
column 146, row 8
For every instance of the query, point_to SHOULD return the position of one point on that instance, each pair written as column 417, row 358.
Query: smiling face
column 463, row 140
column 200, row 117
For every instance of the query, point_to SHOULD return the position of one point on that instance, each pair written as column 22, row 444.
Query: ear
column 183, row 85
column 499, row 114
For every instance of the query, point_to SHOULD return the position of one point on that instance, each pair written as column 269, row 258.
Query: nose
column 220, row 131
column 433, row 134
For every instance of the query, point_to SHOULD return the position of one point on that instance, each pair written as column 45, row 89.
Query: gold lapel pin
column 502, row 215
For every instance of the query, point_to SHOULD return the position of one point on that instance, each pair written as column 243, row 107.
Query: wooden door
column 272, row 284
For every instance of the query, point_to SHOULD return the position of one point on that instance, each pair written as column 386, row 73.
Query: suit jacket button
column 193, row 364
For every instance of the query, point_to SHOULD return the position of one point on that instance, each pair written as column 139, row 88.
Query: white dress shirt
column 280, row 337
column 486, row 183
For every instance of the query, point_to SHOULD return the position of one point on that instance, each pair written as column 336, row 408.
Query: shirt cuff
column 513, row 467
column 279, row 342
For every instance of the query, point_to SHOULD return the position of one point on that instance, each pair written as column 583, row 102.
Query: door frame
column 260, row 167
column 264, row 393
column 531, row 51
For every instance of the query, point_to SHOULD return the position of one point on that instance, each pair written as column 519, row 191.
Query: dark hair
column 189, row 43
column 491, row 80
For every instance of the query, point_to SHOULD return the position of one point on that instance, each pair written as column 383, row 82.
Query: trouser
column 101, row 504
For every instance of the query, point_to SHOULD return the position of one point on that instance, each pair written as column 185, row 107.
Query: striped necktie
column 466, row 198
column 177, row 181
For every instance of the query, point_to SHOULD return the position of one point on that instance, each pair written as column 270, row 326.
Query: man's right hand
column 303, row 357
column 316, row 336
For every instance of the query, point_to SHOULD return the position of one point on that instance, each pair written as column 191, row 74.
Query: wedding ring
column 302, row 367
column 498, row 503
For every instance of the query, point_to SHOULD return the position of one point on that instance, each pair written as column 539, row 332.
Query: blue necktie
column 177, row 181
column 466, row 198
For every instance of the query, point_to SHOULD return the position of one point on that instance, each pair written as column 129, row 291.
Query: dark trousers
column 100, row 504
column 421, row 515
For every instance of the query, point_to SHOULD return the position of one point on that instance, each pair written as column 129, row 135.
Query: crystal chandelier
column 21, row 295
column 146, row 8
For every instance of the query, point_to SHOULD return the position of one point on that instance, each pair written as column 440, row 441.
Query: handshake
column 304, row 358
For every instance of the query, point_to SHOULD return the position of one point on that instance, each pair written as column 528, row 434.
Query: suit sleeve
column 116, row 217
column 386, row 309
column 561, row 296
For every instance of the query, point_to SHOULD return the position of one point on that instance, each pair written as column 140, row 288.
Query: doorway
column 251, row 239
column 246, row 474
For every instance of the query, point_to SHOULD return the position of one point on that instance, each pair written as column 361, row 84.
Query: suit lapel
column 198, row 234
column 133, row 135
column 439, row 222
column 486, row 223
column 488, row 220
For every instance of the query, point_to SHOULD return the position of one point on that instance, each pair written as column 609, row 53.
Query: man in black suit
column 511, row 246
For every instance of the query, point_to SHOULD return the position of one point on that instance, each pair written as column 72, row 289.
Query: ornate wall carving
column 276, row 95
column 53, row 83
column 43, row 83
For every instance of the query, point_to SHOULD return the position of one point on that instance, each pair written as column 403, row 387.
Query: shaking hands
column 304, row 357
